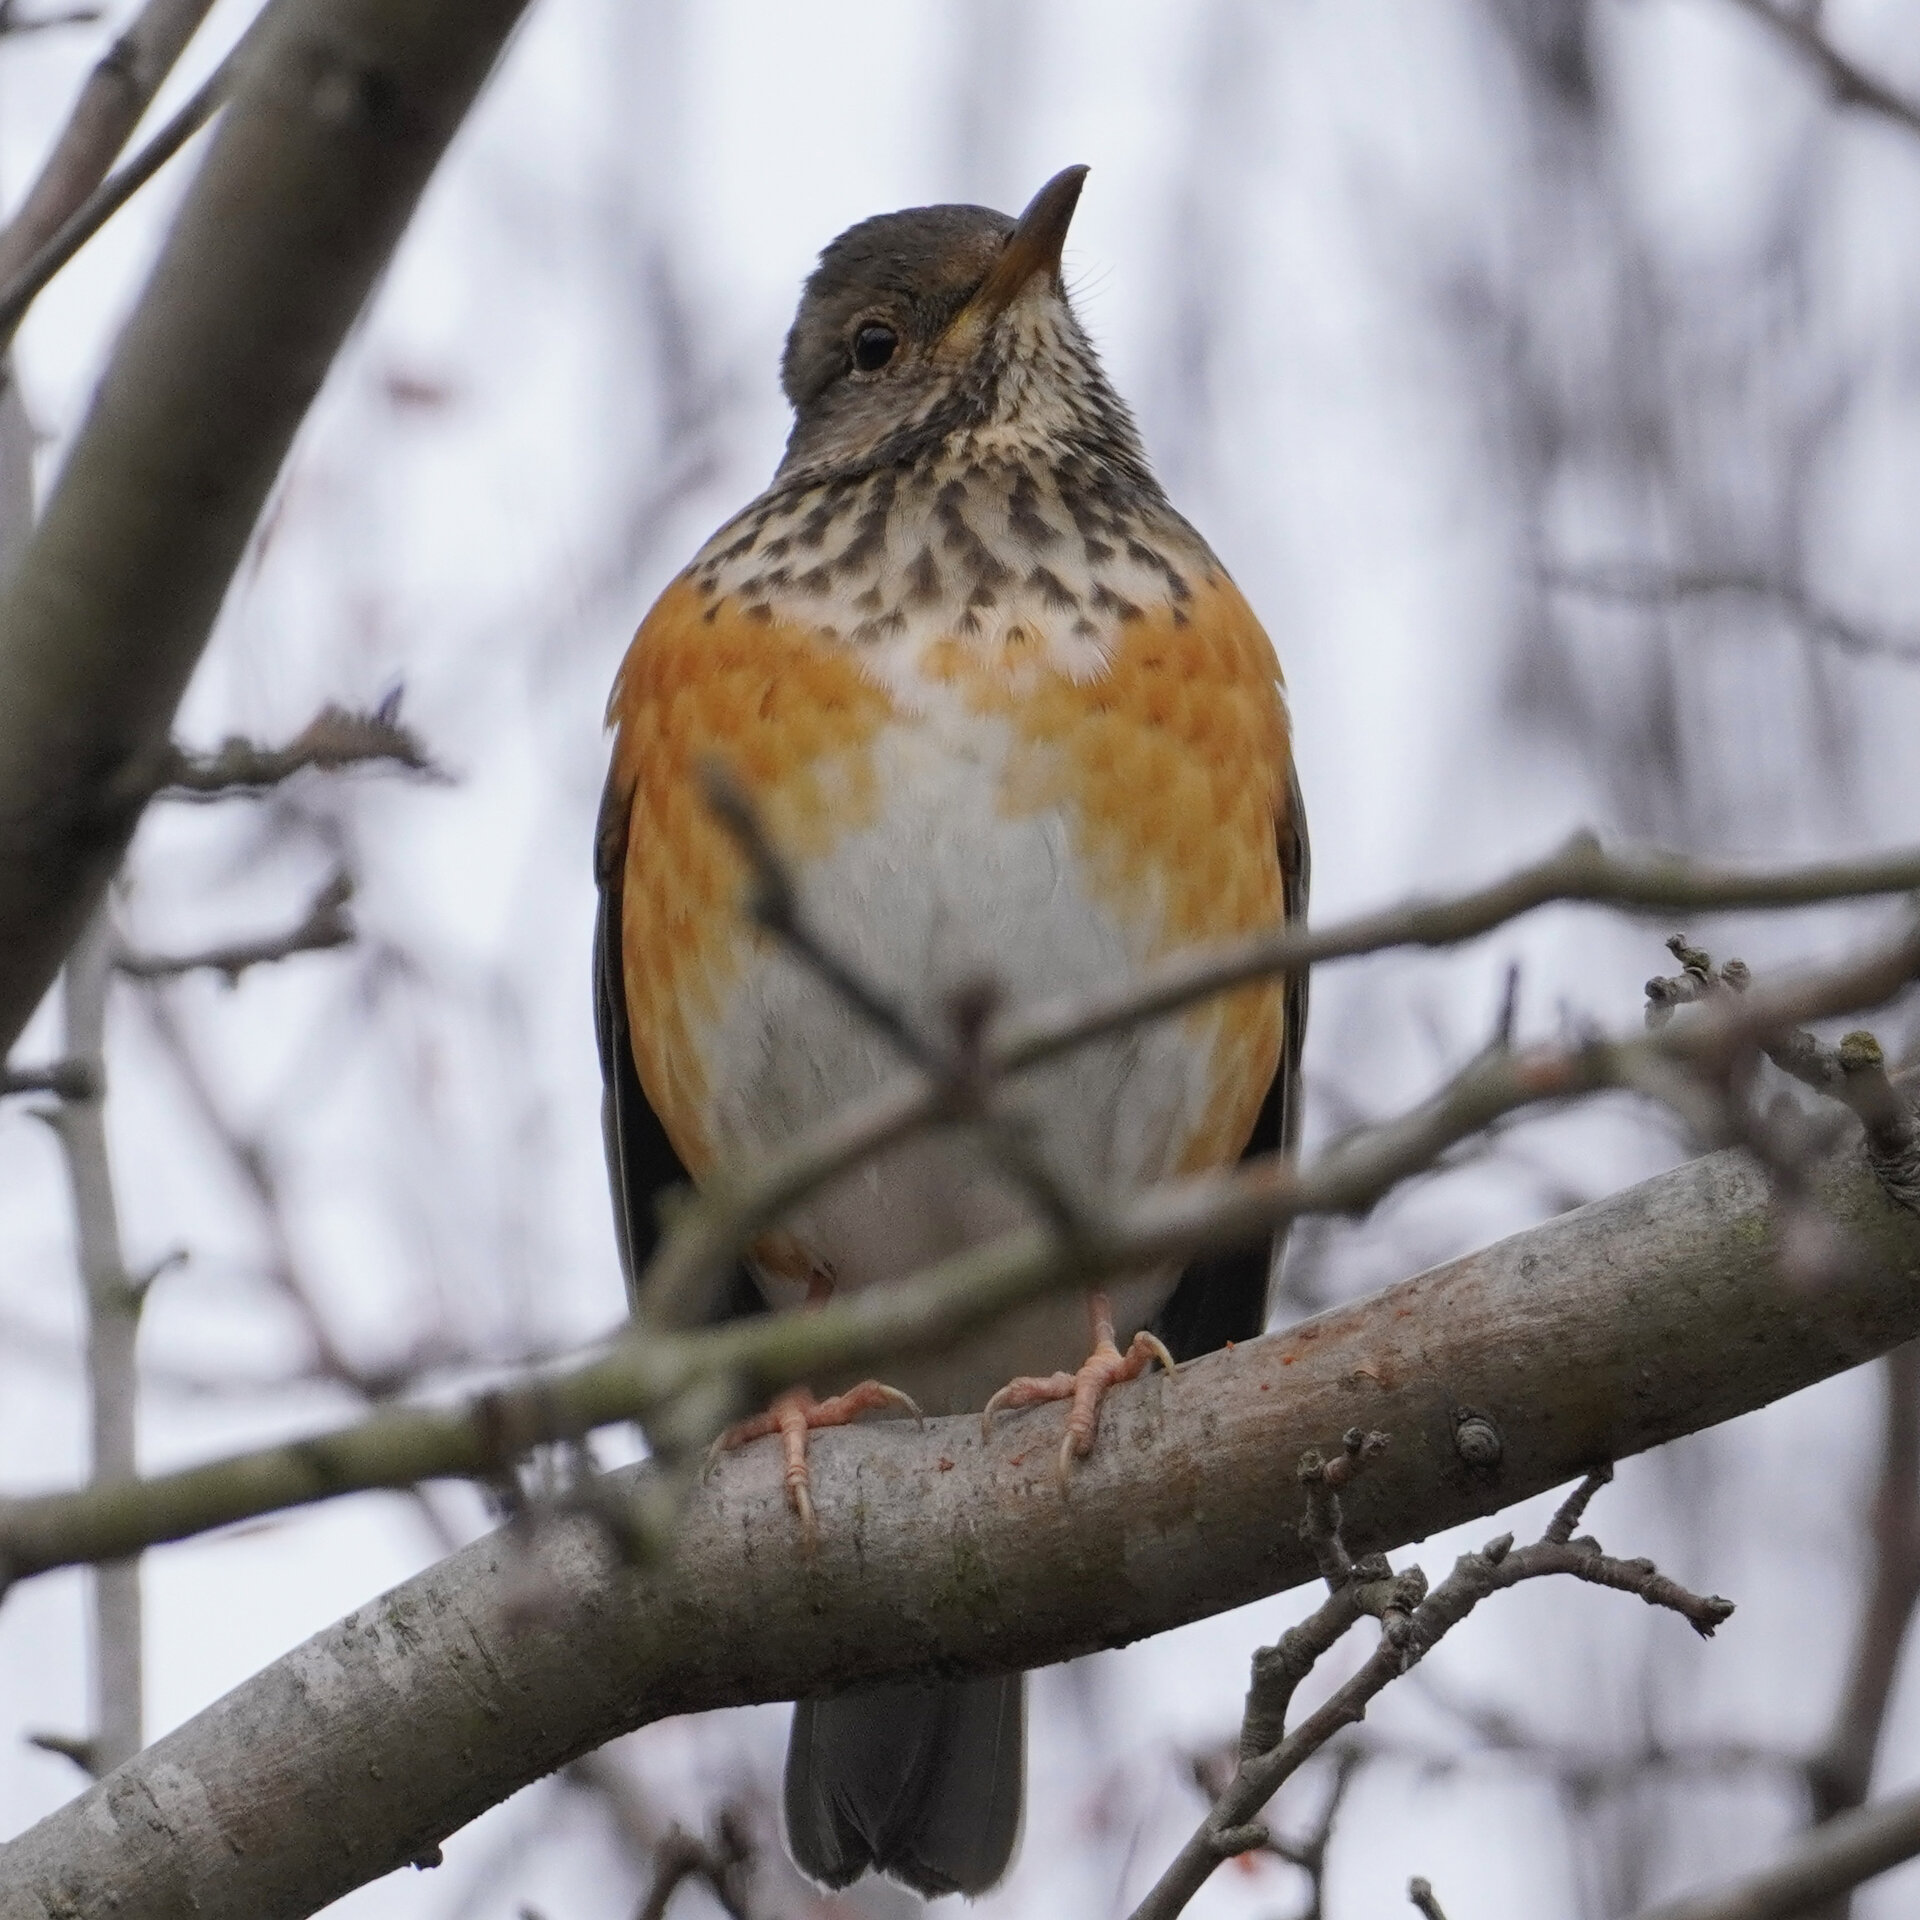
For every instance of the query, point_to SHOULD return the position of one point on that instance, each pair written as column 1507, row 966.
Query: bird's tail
column 922, row 1780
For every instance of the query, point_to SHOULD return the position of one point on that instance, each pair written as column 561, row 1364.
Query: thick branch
column 675, row 1382
column 1606, row 1331
column 329, row 139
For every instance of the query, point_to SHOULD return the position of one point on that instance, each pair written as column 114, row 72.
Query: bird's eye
column 873, row 347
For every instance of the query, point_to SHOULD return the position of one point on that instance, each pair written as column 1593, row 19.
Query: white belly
column 943, row 892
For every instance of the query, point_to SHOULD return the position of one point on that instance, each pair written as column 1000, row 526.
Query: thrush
column 1008, row 720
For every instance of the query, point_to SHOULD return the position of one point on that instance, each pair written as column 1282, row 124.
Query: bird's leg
column 795, row 1414
column 1101, row 1371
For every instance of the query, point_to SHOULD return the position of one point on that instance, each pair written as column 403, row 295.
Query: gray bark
column 1640, row 1318
column 332, row 132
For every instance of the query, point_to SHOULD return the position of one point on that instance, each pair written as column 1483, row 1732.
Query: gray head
column 921, row 326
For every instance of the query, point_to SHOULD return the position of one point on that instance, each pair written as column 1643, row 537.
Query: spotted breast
column 1010, row 724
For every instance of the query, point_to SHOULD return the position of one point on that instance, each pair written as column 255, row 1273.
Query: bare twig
column 116, row 94
column 694, row 1267
column 68, row 1079
column 1308, row 1851
column 113, row 1302
column 959, row 1072
column 12, row 24
column 1412, row 1622
column 716, row 1863
column 1420, row 1894
column 1829, row 1861
column 1628, row 583
column 1849, row 84
column 333, row 739
column 336, row 120
column 36, row 273
column 943, row 1550
column 327, row 924
column 1840, row 1775
column 649, row 1373
column 1853, row 1074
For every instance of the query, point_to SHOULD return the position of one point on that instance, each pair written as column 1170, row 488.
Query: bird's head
column 920, row 326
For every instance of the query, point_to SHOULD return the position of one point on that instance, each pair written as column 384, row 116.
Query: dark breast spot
column 813, row 530
column 1053, row 591
column 882, row 628
column 1024, row 518
column 923, row 578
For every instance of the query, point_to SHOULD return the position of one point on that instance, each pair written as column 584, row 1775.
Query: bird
column 1013, row 729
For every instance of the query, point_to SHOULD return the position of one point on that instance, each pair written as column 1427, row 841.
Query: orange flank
column 1169, row 765
column 1172, row 769
column 790, row 714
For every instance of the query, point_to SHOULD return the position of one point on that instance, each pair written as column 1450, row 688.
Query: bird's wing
column 641, row 1161
column 1223, row 1297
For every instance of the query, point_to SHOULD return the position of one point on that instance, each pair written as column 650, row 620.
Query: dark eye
column 873, row 347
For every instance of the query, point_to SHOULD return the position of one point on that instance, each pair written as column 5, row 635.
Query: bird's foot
column 1104, row 1369
column 795, row 1414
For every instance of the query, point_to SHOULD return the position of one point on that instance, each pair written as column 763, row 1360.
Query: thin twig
column 1629, row 583
column 116, row 93
column 1412, row 1622
column 333, row 739
column 23, row 287
column 1840, row 1775
column 68, row 1079
column 716, row 1863
column 649, row 1373
column 1420, row 1894
column 12, row 25
column 694, row 1268
column 326, row 924
column 1850, row 84
column 1829, row 1861
column 113, row 1301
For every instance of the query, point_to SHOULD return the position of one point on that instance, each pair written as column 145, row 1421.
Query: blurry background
column 1547, row 372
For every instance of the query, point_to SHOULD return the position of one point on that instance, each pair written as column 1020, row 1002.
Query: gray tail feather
column 922, row 1780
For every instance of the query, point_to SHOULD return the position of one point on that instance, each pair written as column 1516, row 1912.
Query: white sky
column 1293, row 204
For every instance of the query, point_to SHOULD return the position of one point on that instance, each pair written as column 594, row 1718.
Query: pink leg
column 796, row 1413
column 1103, row 1370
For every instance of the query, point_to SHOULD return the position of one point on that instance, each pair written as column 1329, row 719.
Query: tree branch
column 325, row 146
column 1829, row 1861
column 332, row 740
column 326, row 925
column 113, row 1300
column 681, row 1286
column 1598, row 1334
column 685, row 1386
column 1412, row 1622
column 116, row 94
column 1849, row 84
column 1630, row 583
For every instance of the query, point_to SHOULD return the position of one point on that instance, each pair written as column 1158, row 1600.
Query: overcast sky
column 1406, row 329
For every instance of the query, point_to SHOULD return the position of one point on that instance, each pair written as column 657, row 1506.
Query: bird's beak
column 1033, row 247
